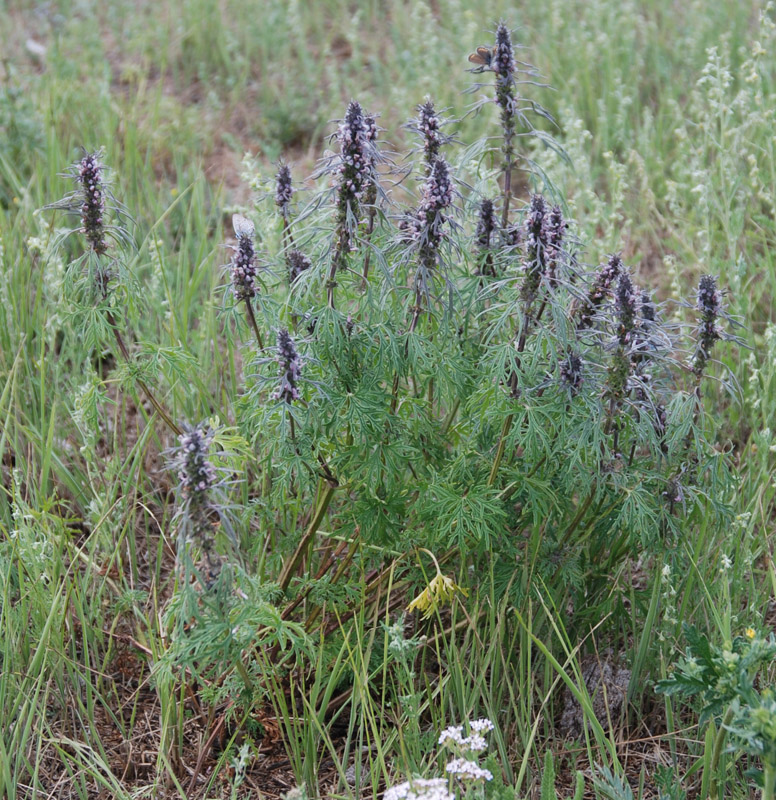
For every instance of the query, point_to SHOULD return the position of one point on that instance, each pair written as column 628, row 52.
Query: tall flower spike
column 537, row 247
column 297, row 262
column 369, row 192
column 643, row 339
column 426, row 227
column 487, row 224
column 556, row 232
column 284, row 190
column 195, row 472
column 428, row 125
column 243, row 265
column 355, row 170
column 197, row 479
column 290, row 368
column 504, row 65
column 710, row 305
column 355, row 137
column 89, row 177
column 604, row 279
column 648, row 310
column 570, row 369
column 625, row 308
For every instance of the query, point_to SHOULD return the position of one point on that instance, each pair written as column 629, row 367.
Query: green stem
column 769, row 781
column 719, row 742
column 312, row 528
column 254, row 325
column 500, row 452
column 507, row 191
column 140, row 382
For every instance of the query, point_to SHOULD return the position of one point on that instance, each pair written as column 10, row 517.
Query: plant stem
column 719, row 742
column 141, row 383
column 369, row 230
column 507, row 191
column 315, row 523
column 336, row 259
column 254, row 325
column 769, row 781
column 513, row 389
column 500, row 452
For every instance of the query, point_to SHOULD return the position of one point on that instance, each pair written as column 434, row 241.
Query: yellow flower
column 750, row 633
column 440, row 591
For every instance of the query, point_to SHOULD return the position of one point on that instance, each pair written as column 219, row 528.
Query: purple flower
column 602, row 284
column 504, row 65
column 290, row 368
column 297, row 262
column 487, row 224
column 428, row 125
column 503, row 61
column 626, row 301
column 89, row 176
column 284, row 190
column 570, row 371
column 195, row 473
column 709, row 304
column 537, row 247
column 243, row 267
column 556, row 231
column 355, row 170
column 425, row 226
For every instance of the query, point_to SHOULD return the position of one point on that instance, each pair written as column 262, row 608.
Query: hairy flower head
column 290, row 368
column 284, row 190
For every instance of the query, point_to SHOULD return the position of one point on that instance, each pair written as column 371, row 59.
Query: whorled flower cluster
column 355, row 170
column 503, row 60
column 290, row 368
column 284, row 190
column 503, row 63
column 428, row 125
column 297, row 262
column 709, row 303
column 626, row 306
column 556, row 234
column 570, row 372
column 425, row 226
column 605, row 277
column 643, row 339
column 90, row 180
column 537, row 247
column 487, row 224
column 621, row 365
column 243, row 267
column 356, row 135
column 196, row 475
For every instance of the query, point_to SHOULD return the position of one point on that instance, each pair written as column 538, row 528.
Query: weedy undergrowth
column 431, row 366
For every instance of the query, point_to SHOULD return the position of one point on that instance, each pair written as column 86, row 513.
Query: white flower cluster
column 459, row 767
column 468, row 770
column 463, row 767
column 474, row 743
column 420, row 789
